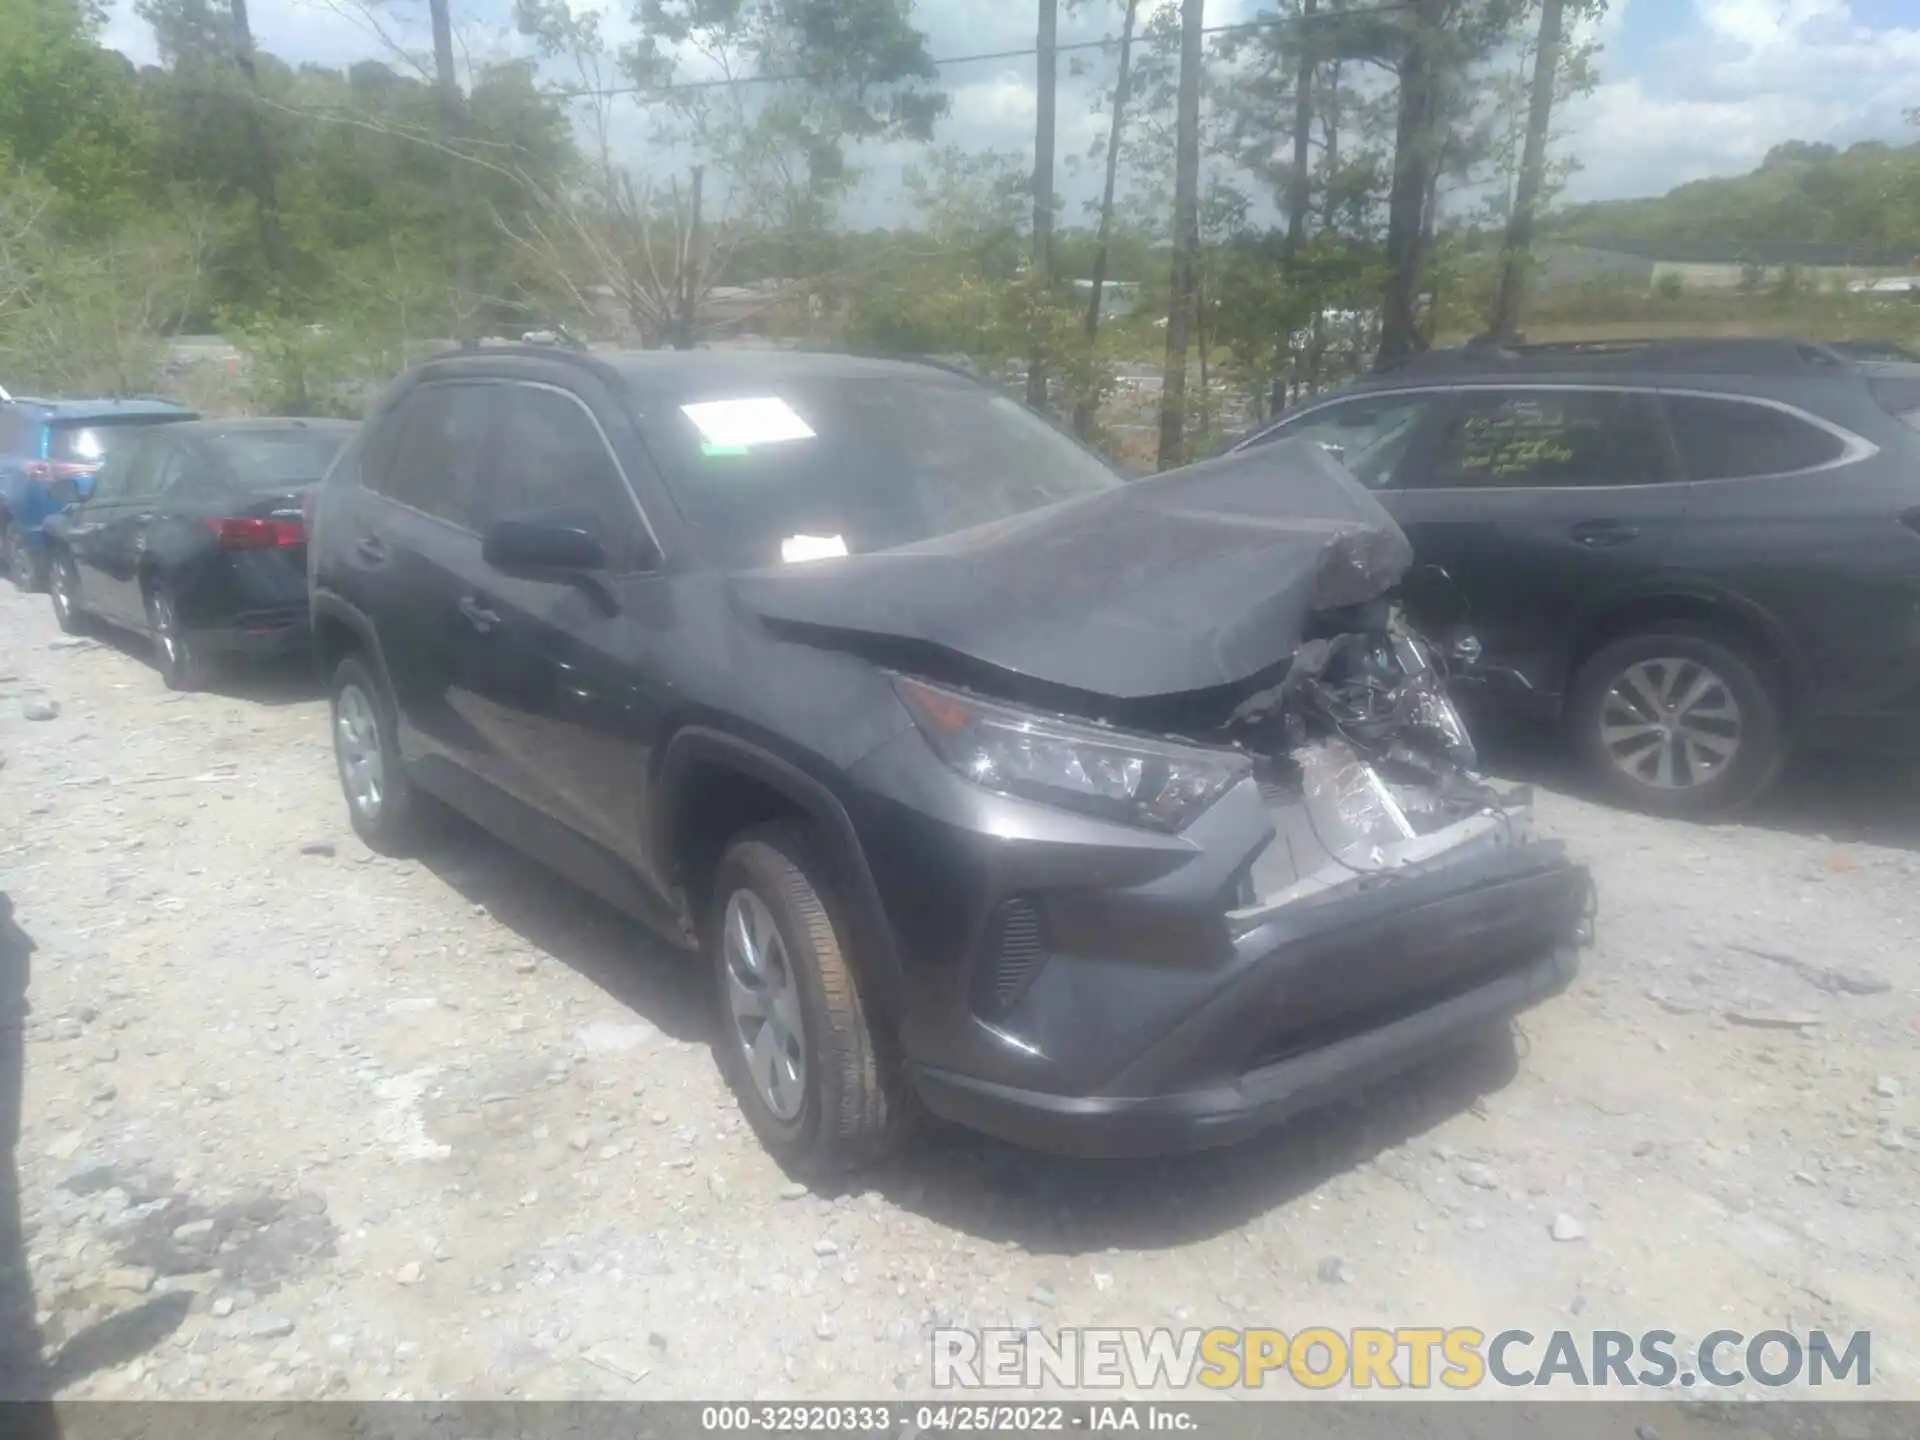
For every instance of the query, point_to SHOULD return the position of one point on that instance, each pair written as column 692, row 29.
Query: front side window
column 439, row 450
column 800, row 467
column 1369, row 435
column 1736, row 439
column 1549, row 439
column 552, row 461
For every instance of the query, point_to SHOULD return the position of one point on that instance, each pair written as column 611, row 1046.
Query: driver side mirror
column 545, row 548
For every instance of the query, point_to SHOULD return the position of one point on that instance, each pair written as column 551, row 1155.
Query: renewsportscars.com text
column 1407, row 1357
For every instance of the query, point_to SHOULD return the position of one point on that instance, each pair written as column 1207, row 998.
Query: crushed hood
column 1200, row 577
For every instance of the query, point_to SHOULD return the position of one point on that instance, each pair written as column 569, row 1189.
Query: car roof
column 80, row 410
column 259, row 425
column 1662, row 358
column 679, row 371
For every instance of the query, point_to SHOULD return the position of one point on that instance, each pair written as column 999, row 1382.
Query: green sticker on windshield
column 708, row 448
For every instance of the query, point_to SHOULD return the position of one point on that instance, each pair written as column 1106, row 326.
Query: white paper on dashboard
column 811, row 547
column 762, row 420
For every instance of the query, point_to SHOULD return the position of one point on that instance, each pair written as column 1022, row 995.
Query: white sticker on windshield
column 811, row 547
column 732, row 424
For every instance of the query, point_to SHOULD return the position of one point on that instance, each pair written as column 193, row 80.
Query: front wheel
column 1678, row 720
column 821, row 1089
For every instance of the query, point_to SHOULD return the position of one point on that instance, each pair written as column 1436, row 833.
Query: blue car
column 49, row 452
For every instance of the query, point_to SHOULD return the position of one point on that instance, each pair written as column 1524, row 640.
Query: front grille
column 1012, row 952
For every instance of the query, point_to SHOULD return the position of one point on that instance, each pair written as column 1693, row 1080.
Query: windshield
column 276, row 459
column 821, row 466
column 91, row 441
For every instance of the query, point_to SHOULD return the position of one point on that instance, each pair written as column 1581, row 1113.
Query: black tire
column 26, row 568
column 392, row 824
column 63, row 584
column 856, row 1107
column 1699, row 655
column 178, row 657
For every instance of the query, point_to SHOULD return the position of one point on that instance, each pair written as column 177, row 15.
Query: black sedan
column 197, row 536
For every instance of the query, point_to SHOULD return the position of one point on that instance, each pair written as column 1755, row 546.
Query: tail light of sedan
column 251, row 532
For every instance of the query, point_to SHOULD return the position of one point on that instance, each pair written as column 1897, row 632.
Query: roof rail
column 1705, row 355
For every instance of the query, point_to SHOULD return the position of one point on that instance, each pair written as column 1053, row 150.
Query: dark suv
column 1107, row 817
column 1693, row 554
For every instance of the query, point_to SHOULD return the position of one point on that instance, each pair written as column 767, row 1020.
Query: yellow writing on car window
column 1504, row 445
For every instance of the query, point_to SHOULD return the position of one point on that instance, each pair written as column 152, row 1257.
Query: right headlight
column 1132, row 779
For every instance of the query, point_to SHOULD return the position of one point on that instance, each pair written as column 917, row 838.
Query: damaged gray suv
column 1107, row 817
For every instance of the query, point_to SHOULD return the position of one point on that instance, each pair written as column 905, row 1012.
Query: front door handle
column 372, row 549
column 1598, row 534
column 478, row 615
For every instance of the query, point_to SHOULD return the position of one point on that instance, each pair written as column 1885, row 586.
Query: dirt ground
column 298, row 1121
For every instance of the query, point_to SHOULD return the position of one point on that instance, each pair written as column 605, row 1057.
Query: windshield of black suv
column 802, row 467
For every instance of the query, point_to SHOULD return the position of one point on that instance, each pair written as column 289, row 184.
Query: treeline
column 1866, row 197
column 1283, row 199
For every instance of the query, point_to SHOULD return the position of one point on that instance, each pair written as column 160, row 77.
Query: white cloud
column 1748, row 75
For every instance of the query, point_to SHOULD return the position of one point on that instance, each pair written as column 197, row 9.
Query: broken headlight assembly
column 1132, row 779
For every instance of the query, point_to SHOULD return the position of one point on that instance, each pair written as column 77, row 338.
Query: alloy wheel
column 356, row 740
column 763, row 999
column 1670, row 723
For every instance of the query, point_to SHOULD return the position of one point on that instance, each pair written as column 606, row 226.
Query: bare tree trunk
column 1298, row 187
column 1517, row 251
column 1046, row 81
column 1186, row 236
column 687, row 281
column 1330, row 113
column 1083, row 412
column 453, row 125
column 265, row 200
column 1415, row 154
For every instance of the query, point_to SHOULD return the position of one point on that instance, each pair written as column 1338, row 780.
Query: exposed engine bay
column 1364, row 763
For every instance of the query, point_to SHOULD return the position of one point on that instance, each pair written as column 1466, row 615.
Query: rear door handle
column 371, row 548
column 478, row 615
column 1597, row 534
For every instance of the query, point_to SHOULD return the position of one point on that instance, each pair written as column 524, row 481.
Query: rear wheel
column 1680, row 719
column 822, row 1091
column 25, row 568
column 63, row 583
column 182, row 663
column 381, row 802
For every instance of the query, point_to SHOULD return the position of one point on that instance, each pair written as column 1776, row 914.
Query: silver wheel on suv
column 764, row 1000
column 1670, row 722
column 356, row 740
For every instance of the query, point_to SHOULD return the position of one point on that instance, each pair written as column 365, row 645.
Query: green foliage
column 1866, row 197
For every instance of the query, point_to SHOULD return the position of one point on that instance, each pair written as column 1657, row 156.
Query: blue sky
column 1689, row 88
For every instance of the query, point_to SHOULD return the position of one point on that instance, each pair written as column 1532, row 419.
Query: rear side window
column 1549, row 439
column 1369, row 436
column 437, row 450
column 1737, row 439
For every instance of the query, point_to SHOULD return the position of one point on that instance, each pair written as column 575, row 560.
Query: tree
column 782, row 89
column 1531, row 178
column 1440, row 40
column 1186, row 236
column 1046, row 87
column 1083, row 412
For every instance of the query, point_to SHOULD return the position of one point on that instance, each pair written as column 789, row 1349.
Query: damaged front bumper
column 1311, row 948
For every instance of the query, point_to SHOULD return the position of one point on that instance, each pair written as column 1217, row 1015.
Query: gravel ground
column 302, row 1121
